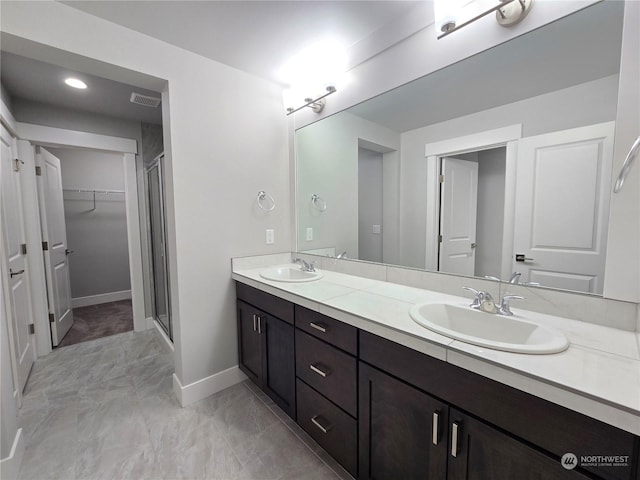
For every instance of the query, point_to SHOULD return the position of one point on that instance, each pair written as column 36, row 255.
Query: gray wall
column 490, row 225
column 100, row 262
column 369, row 204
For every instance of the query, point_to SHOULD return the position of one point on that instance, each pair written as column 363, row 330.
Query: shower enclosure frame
column 159, row 266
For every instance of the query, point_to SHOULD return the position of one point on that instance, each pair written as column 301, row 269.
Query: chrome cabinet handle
column 318, row 326
column 254, row 322
column 13, row 274
column 454, row 439
column 259, row 324
column 626, row 166
column 318, row 371
column 435, row 431
column 322, row 428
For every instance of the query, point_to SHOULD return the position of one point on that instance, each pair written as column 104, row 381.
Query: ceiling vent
column 144, row 100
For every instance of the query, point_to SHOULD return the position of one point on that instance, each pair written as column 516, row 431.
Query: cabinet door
column 403, row 431
column 278, row 362
column 479, row 452
column 249, row 342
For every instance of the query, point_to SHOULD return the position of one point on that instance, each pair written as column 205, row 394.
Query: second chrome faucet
column 484, row 302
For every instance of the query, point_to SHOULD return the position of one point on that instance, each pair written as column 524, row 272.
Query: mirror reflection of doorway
column 370, row 201
column 472, row 196
column 157, row 239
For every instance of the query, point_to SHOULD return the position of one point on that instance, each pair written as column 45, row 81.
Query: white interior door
column 458, row 213
column 19, row 297
column 55, row 234
column 562, row 207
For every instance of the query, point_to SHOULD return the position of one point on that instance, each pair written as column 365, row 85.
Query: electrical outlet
column 376, row 230
column 309, row 233
column 270, row 236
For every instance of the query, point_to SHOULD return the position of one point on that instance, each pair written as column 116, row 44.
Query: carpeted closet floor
column 97, row 321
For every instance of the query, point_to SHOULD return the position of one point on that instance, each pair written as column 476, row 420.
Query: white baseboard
column 10, row 466
column 196, row 391
column 151, row 323
column 102, row 298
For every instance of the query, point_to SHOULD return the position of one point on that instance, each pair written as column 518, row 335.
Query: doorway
column 472, row 198
column 93, row 221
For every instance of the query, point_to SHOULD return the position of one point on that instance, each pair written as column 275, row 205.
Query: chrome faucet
column 305, row 266
column 515, row 278
column 483, row 301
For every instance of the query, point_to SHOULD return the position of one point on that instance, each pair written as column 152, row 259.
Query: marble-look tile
column 135, row 462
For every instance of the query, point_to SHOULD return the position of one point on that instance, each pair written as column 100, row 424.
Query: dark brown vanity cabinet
column 385, row 411
column 266, row 345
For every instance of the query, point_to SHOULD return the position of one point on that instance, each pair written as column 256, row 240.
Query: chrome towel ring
column 264, row 197
column 318, row 203
column 626, row 166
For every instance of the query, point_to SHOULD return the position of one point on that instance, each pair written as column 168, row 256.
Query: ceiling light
column 75, row 83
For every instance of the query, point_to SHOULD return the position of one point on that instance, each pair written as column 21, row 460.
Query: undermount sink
column 291, row 274
column 510, row 334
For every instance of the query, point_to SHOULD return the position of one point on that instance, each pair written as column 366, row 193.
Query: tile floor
column 105, row 409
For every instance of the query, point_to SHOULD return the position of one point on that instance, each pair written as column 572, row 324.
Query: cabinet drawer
column 333, row 429
column 327, row 369
column 328, row 329
column 264, row 301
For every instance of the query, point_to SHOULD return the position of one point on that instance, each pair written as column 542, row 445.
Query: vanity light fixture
column 452, row 15
column 313, row 75
column 75, row 83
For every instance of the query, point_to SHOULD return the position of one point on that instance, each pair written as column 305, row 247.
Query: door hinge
column 441, row 178
column 52, row 318
column 45, row 246
column 38, row 171
column 24, row 248
column 32, row 329
column 440, row 238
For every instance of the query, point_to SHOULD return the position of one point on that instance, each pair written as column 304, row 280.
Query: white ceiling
column 255, row 36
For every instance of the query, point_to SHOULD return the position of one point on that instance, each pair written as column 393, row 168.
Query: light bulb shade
column 447, row 14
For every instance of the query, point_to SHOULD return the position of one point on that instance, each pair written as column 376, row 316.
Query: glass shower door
column 161, row 304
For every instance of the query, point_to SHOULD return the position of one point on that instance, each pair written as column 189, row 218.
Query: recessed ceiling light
column 75, row 83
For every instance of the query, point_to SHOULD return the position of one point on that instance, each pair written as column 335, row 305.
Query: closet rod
column 87, row 190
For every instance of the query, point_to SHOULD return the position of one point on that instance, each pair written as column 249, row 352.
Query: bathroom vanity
column 387, row 404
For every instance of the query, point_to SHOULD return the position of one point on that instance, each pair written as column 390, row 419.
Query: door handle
column 455, row 427
column 13, row 274
column 521, row 258
column 67, row 251
column 435, row 429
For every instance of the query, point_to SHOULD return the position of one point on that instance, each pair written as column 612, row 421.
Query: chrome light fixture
column 452, row 15
column 313, row 75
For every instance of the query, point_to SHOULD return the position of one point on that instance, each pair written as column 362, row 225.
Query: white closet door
column 54, row 232
column 458, row 214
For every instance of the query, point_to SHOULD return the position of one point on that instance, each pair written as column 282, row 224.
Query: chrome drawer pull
column 322, row 428
column 260, row 324
column 317, row 326
column 435, row 431
column 454, row 439
column 254, row 322
column 318, row 371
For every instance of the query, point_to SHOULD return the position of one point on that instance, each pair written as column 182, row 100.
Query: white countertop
column 598, row 375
